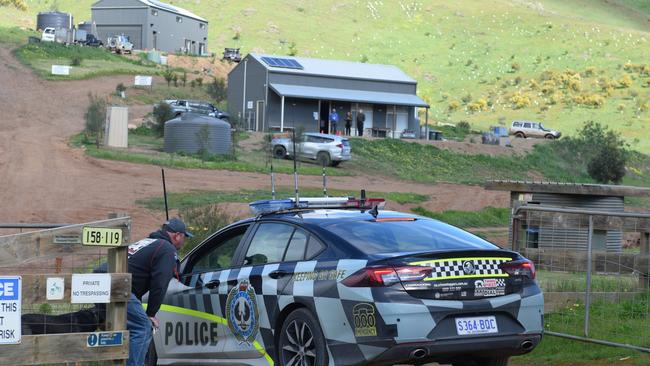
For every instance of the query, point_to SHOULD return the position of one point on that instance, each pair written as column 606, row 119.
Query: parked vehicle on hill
column 196, row 106
column 119, row 44
column 325, row 149
column 344, row 282
column 231, row 54
column 532, row 129
column 48, row 35
column 92, row 41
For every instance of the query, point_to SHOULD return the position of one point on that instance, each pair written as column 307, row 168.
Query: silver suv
column 323, row 148
column 532, row 129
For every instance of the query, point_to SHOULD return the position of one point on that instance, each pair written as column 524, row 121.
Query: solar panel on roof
column 286, row 63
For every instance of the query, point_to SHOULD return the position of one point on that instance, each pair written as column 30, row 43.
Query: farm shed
column 548, row 234
column 283, row 92
column 152, row 24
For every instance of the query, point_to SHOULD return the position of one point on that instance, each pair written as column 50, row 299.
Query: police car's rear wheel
column 152, row 356
column 301, row 341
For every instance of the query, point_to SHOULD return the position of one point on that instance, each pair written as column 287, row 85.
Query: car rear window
column 373, row 237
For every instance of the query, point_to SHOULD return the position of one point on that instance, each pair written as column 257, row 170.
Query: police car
column 353, row 284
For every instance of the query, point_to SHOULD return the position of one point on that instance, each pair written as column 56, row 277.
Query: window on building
column 201, row 25
column 179, row 20
column 154, row 12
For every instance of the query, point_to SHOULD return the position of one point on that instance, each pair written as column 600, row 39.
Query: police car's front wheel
column 302, row 341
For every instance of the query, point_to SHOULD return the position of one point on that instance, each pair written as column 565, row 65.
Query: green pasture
column 484, row 60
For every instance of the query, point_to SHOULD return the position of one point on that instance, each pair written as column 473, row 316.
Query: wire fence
column 593, row 268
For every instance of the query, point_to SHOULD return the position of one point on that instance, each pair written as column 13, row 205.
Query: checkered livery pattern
column 455, row 268
column 317, row 286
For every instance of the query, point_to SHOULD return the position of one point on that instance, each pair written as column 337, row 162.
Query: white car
column 323, row 148
column 49, row 35
column 532, row 129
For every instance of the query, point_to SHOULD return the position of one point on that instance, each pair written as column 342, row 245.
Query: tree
column 162, row 113
column 95, row 118
column 18, row 4
column 606, row 152
column 168, row 74
column 217, row 89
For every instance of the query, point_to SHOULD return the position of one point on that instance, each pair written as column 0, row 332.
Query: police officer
column 153, row 262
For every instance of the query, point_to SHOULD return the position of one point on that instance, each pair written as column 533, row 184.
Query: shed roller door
column 134, row 32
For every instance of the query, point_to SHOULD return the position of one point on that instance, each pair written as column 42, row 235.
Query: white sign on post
column 55, row 288
column 88, row 288
column 141, row 80
column 60, row 70
column 249, row 104
column 10, row 300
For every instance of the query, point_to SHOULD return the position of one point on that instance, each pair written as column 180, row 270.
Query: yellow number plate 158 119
column 101, row 236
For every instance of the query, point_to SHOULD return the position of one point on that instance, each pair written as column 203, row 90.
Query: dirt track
column 45, row 180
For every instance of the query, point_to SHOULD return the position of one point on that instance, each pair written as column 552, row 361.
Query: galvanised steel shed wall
column 186, row 134
column 574, row 235
column 255, row 75
column 187, row 36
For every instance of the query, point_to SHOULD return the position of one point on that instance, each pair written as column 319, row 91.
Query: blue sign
column 102, row 339
column 9, row 289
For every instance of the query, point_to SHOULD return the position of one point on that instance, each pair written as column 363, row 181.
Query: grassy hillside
column 562, row 62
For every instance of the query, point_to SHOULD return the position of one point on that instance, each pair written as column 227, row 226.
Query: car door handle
column 278, row 273
column 212, row 284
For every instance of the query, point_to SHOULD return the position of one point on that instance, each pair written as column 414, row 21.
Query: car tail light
column 386, row 276
column 522, row 267
column 340, row 146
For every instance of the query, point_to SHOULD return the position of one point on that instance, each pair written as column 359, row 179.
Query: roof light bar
column 270, row 206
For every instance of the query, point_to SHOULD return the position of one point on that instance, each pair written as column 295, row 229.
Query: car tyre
column 323, row 159
column 301, row 341
column 520, row 135
column 279, row 152
column 336, row 163
column 549, row 137
column 493, row 361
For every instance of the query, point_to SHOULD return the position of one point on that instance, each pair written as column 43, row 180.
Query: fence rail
column 58, row 253
column 595, row 282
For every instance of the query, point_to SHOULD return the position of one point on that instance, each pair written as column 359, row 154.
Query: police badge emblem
column 243, row 315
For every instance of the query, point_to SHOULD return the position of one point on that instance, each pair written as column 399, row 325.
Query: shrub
column 463, row 126
column 168, row 74
column 199, row 81
column 161, row 114
column 466, row 98
column 548, row 87
column 479, row 105
column 556, row 98
column 217, row 89
column 609, row 152
column 591, row 100
column 621, row 107
column 175, row 80
column 519, row 100
column 75, row 61
column 363, row 59
column 293, row 50
column 625, row 81
column 534, row 85
column 590, row 71
column 95, row 117
column 202, row 222
column 184, row 78
column 514, row 67
column 453, row 105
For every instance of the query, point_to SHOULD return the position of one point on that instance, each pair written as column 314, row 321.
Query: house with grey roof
column 284, row 92
column 151, row 24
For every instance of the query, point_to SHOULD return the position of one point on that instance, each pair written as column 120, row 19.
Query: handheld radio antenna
column 165, row 194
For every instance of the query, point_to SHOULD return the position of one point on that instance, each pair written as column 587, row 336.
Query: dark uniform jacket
column 152, row 263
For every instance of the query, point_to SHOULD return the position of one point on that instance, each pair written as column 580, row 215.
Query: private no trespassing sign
column 90, row 288
column 10, row 300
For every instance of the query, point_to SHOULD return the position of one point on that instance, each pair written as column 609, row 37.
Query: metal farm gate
column 47, row 276
column 598, row 292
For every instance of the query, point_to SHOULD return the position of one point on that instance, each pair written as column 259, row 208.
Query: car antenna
column 324, row 181
column 374, row 211
column 295, row 170
column 165, row 194
column 270, row 137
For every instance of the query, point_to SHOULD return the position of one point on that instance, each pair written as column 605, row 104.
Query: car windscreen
column 373, row 237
